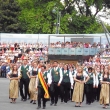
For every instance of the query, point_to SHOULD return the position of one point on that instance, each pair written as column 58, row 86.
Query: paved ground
column 6, row 105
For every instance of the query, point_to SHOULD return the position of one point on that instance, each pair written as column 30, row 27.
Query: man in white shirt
column 56, row 77
column 24, row 81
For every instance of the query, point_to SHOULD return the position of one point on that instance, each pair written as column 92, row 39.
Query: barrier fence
column 73, row 51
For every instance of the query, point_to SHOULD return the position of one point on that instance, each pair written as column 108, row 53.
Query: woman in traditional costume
column 14, row 85
column 104, row 94
column 32, row 89
column 80, row 79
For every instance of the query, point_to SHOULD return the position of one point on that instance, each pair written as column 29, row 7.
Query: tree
column 9, row 12
column 84, row 7
column 37, row 16
column 101, row 30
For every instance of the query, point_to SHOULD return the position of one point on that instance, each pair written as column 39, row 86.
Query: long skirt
column 104, row 94
column 32, row 90
column 13, row 89
column 78, row 92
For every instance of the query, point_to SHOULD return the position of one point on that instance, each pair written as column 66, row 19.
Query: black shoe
column 55, row 104
column 22, row 99
column 61, row 100
column 89, row 103
column 51, row 103
column 43, row 107
column 25, row 100
column 31, row 101
column 38, row 107
column 65, row 102
column 34, row 103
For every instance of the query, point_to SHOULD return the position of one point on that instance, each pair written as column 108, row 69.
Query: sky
column 104, row 14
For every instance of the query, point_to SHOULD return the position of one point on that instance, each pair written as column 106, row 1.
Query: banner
column 44, row 85
column 79, row 51
column 97, row 50
column 86, row 51
column 64, row 51
column 92, row 51
column 51, row 51
column 71, row 51
column 58, row 51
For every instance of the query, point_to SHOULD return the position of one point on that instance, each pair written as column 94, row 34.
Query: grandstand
column 73, row 47
column 76, row 53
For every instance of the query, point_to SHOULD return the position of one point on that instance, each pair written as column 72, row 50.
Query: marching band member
column 67, row 83
column 43, row 80
column 89, row 86
column 56, row 76
column 98, row 83
column 24, row 81
column 80, row 79
column 73, row 71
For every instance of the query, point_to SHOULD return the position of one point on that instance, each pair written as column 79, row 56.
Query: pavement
column 19, row 105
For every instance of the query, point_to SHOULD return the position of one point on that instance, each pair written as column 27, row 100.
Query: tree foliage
column 9, row 11
column 40, row 16
column 101, row 30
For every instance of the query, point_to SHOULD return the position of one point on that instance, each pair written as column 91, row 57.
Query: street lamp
column 104, row 28
column 56, row 10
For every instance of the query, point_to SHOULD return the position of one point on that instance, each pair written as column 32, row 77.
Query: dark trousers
column 65, row 91
column 55, row 91
column 89, row 93
column 41, row 93
column 3, row 74
column 94, row 93
column 24, row 83
column 98, row 92
column 71, row 93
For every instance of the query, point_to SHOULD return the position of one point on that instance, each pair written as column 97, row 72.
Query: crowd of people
column 49, row 81
column 73, row 44
column 14, row 53
column 30, row 72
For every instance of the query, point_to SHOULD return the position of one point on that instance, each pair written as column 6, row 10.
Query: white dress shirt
column 61, row 74
column 71, row 78
column 98, row 79
column 19, row 70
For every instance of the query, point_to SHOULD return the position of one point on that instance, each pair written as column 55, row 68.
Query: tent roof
column 77, row 35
